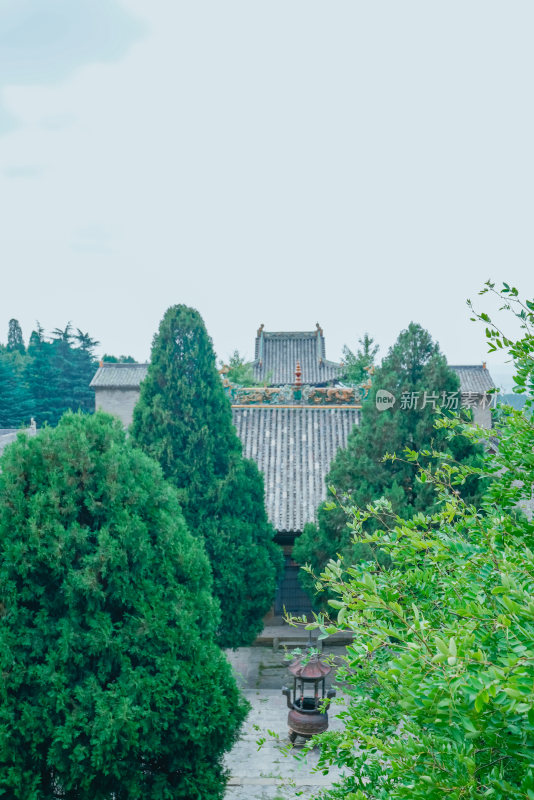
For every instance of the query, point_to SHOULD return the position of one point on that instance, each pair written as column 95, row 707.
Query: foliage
column 118, row 359
column 112, row 685
column 15, row 340
column 240, row 371
column 357, row 364
column 49, row 378
column 520, row 350
column 59, row 372
column 15, row 409
column 184, row 420
column 359, row 474
column 440, row 675
column 14, row 398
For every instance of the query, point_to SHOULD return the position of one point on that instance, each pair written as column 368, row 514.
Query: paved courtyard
column 267, row 773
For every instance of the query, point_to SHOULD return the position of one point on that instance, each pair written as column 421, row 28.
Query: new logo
column 384, row 399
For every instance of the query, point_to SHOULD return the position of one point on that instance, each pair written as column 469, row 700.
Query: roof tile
column 293, row 448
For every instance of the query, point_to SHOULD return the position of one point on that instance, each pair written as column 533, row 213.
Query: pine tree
column 43, row 378
column 84, row 365
column 112, row 684
column 15, row 340
column 184, row 420
column 413, row 366
column 59, row 372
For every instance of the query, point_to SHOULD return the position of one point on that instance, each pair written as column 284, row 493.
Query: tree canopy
column 240, row 371
column 15, row 403
column 413, row 371
column 356, row 365
column 118, row 359
column 52, row 375
column 184, row 420
column 440, row 675
column 15, row 339
column 112, row 684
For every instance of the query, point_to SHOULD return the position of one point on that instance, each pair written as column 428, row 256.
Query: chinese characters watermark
column 445, row 401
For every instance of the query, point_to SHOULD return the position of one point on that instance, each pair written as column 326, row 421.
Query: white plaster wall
column 120, row 402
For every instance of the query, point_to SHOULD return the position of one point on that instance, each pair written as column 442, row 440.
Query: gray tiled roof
column 474, row 378
column 119, row 376
column 276, row 356
column 293, row 448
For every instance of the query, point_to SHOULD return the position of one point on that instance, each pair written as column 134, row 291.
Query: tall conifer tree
column 413, row 366
column 184, row 420
column 112, row 683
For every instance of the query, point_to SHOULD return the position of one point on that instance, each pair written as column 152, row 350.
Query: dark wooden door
column 289, row 592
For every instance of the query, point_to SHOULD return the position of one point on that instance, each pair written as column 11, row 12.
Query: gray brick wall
column 120, row 402
column 482, row 416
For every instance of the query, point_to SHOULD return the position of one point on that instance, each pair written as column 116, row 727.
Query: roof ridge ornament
column 297, row 392
column 320, row 336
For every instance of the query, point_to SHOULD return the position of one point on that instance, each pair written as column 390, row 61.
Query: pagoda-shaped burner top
column 313, row 669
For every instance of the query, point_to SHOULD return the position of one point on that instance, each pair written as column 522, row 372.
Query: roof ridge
column 290, row 334
column 130, row 364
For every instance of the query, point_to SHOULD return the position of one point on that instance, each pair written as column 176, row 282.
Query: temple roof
column 277, row 353
column 293, row 442
column 293, row 448
column 110, row 375
column 474, row 378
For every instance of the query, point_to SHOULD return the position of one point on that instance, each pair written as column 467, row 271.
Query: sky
column 356, row 164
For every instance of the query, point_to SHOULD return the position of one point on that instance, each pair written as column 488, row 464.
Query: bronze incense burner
column 307, row 709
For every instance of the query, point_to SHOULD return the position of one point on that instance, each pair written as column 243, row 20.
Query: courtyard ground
column 266, row 773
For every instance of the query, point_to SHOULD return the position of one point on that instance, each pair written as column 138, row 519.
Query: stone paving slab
column 267, row 773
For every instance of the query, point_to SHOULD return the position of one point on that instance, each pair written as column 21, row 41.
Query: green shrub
column 440, row 676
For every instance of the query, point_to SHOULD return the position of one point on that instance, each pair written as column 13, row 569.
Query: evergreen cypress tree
column 15, row 340
column 184, row 420
column 413, row 366
column 112, row 684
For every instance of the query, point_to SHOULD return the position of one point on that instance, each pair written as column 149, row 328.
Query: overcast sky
column 359, row 164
